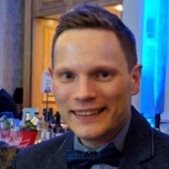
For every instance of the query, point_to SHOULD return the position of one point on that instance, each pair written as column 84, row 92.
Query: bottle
column 28, row 125
column 57, row 120
column 35, row 120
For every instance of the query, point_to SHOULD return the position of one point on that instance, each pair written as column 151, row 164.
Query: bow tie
column 83, row 160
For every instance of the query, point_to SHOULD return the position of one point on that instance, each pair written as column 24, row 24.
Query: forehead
column 86, row 34
column 87, row 39
column 87, row 44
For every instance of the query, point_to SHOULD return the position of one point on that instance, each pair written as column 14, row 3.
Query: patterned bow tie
column 83, row 160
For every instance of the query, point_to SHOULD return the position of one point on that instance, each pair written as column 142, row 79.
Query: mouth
column 88, row 112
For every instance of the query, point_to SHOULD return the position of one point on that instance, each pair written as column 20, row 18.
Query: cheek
column 62, row 98
column 61, row 92
column 116, row 90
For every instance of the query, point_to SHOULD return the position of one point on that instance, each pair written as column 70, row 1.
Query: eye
column 66, row 76
column 104, row 75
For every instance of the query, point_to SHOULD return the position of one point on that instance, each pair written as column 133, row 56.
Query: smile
column 89, row 112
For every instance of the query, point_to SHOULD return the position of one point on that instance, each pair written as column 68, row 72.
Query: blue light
column 153, row 57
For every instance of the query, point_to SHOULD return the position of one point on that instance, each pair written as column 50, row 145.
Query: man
column 95, row 74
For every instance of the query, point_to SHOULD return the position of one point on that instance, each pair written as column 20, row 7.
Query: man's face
column 92, row 84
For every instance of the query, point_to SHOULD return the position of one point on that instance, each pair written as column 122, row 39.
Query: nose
column 85, row 90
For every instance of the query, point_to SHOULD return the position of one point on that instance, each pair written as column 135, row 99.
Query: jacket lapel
column 55, row 159
column 67, row 144
column 138, row 145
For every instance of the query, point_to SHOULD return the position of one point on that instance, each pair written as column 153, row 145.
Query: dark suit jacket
column 144, row 148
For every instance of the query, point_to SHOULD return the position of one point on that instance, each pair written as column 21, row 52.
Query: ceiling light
column 118, row 7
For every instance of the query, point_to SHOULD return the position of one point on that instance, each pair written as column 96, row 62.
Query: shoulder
column 46, row 146
column 37, row 155
column 160, row 158
column 161, row 140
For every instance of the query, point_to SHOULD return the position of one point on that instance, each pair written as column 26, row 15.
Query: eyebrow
column 61, row 69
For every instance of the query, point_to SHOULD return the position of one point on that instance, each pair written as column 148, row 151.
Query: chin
column 90, row 135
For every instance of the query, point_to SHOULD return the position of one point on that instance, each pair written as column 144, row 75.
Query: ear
column 51, row 72
column 51, row 75
column 135, row 77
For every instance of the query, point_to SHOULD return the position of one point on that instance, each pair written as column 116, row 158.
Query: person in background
column 8, row 109
column 7, row 105
column 95, row 74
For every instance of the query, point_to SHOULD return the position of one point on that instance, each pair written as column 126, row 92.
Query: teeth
column 86, row 113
